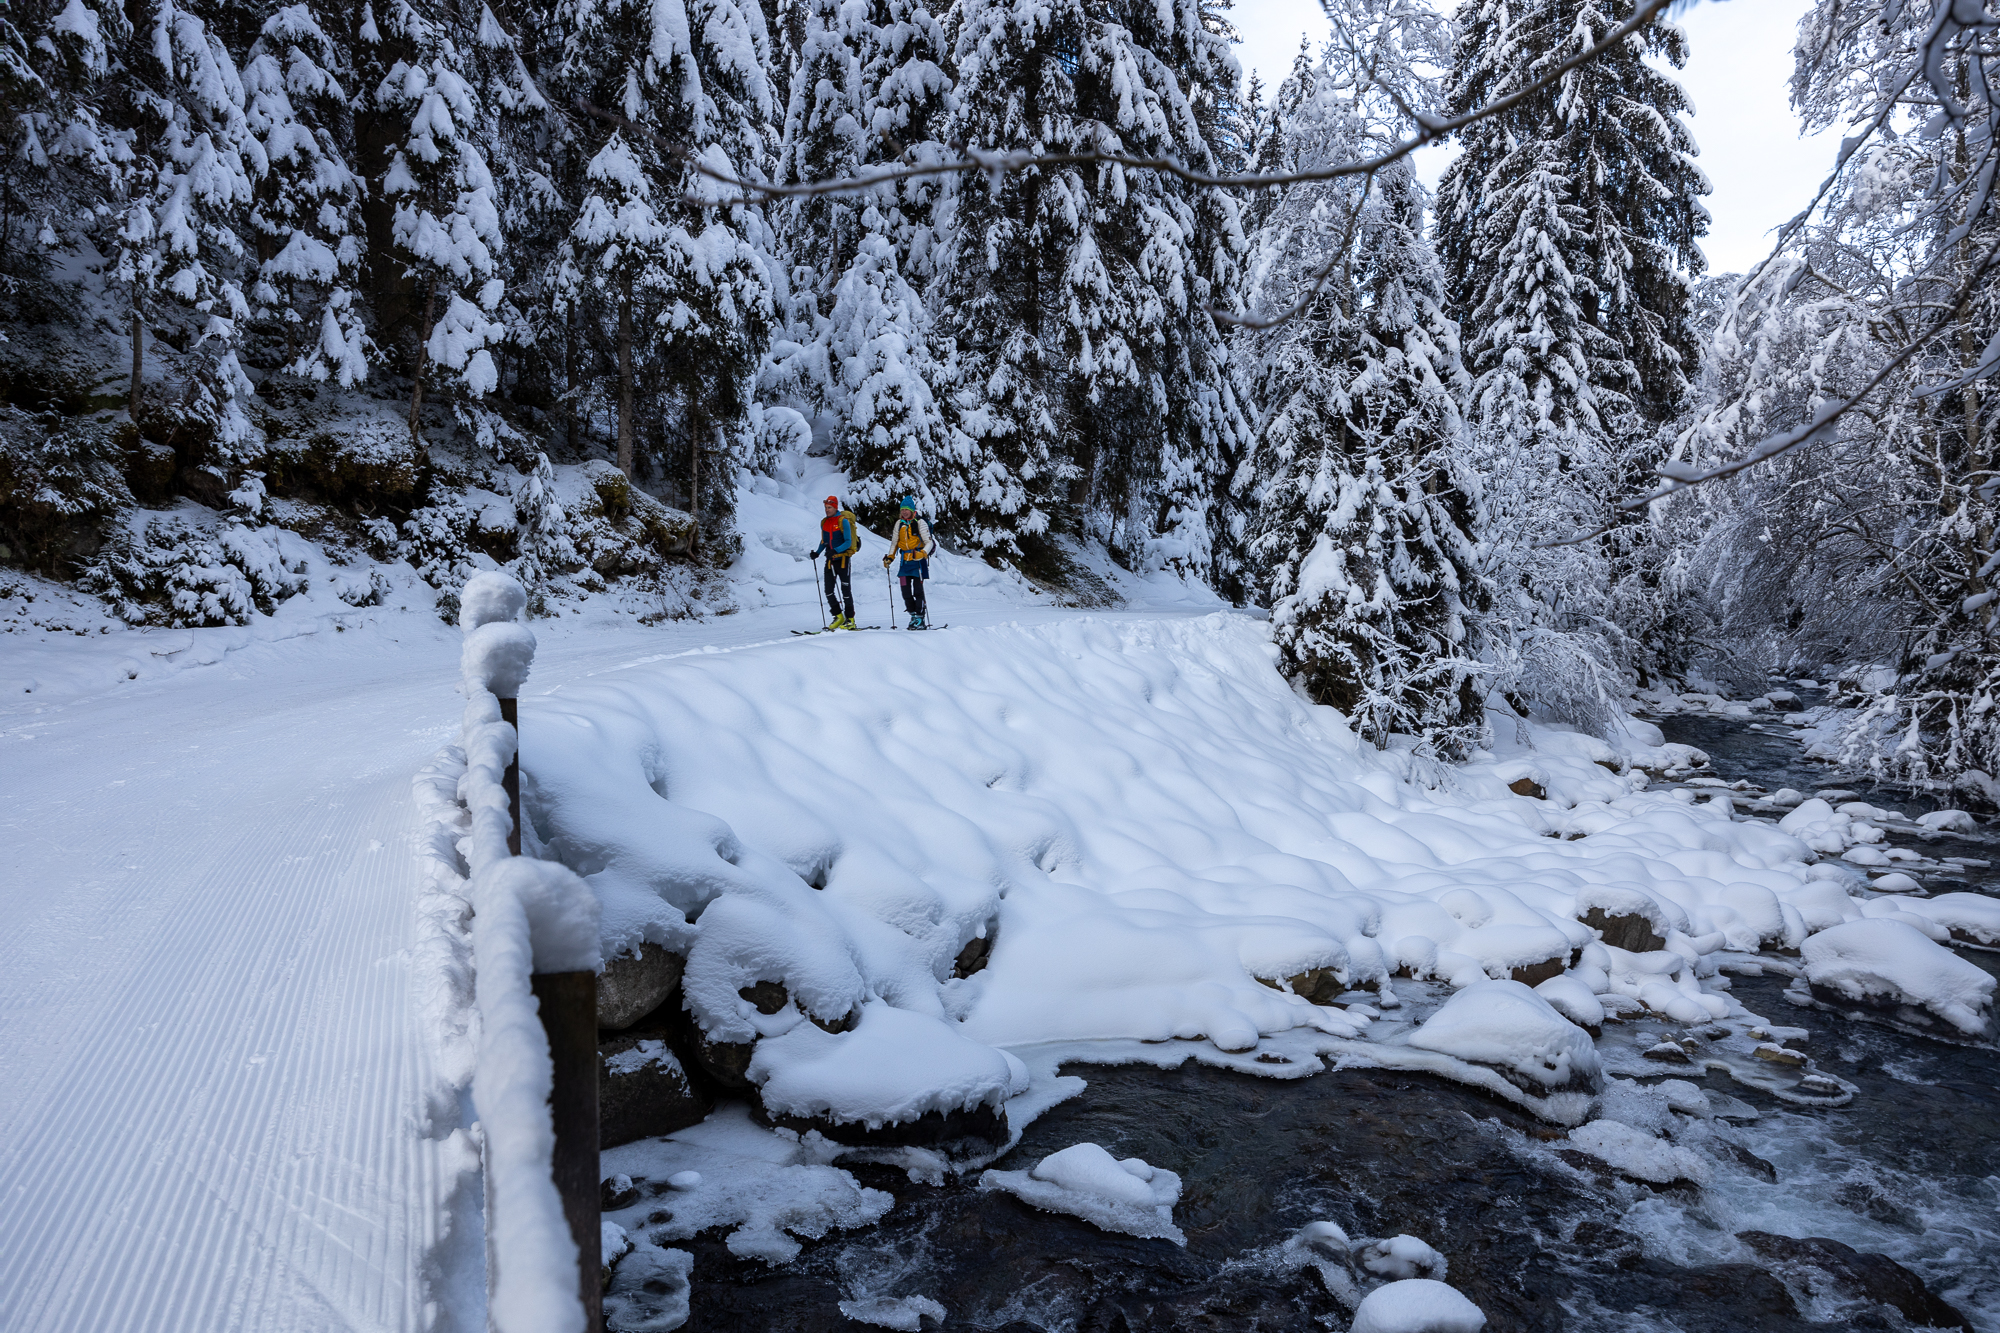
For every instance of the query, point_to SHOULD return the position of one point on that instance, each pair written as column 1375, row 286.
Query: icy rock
column 615, row 1192
column 649, row 1290
column 758, row 1186
column 1864, row 855
column 1871, row 1277
column 1778, row 1055
column 1895, row 882
column 634, row 985
column 1418, row 1305
column 1083, row 1180
column 1504, row 1025
column 612, row 1244
column 1884, row 963
column 1785, row 701
column 1637, row 1154
column 642, row 1091
column 1402, row 1257
column 906, row 1314
column 1949, row 821
column 1528, row 787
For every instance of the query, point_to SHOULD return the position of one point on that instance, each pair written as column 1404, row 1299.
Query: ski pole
column 816, row 588
column 889, row 583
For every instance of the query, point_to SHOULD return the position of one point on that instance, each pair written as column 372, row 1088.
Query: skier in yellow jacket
column 913, row 545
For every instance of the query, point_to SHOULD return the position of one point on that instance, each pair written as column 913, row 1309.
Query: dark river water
column 1910, row 1169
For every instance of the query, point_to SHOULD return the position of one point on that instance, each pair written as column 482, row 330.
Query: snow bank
column 1142, row 830
column 1417, row 1305
column 1111, row 1193
column 528, row 916
column 1883, row 959
column 1511, row 1028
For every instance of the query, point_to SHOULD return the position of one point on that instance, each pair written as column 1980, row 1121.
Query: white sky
column 1739, row 62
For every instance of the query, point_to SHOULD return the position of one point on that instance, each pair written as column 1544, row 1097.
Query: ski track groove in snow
column 225, row 1133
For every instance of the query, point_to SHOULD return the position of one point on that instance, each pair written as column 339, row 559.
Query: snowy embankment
column 1155, row 839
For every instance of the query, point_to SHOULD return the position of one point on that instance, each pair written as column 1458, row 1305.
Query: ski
column 831, row 630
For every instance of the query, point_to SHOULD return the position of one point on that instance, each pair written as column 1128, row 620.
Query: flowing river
column 1539, row 1237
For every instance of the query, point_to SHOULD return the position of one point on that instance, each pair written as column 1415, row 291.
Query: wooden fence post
column 568, row 1005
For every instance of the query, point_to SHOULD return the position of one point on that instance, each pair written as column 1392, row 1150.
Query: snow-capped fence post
column 535, row 958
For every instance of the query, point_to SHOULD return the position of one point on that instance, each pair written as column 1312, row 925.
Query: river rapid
column 1540, row 1237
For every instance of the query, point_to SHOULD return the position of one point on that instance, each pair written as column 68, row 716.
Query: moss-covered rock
column 61, row 489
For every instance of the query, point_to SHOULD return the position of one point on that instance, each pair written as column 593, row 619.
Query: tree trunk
column 423, row 364
column 625, row 380
column 133, row 403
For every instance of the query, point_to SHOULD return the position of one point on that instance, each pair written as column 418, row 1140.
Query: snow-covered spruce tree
column 445, row 231
column 306, row 218
column 56, row 155
column 1084, row 381
column 187, row 181
column 1364, row 517
column 666, row 265
column 870, row 90
column 1568, row 231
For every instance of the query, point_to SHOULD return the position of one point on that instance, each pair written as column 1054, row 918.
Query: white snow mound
column 1508, row 1026
column 1110, row 1193
column 1882, row 959
column 1417, row 1305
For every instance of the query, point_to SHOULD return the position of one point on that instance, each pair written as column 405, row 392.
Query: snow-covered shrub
column 164, row 570
column 58, row 490
column 437, row 543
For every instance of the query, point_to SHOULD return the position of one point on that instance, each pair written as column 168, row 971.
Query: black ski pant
column 839, row 568
column 913, row 593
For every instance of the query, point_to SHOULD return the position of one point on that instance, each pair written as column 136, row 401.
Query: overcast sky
column 1738, row 63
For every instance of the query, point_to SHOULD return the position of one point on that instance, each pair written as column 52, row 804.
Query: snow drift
column 1139, row 830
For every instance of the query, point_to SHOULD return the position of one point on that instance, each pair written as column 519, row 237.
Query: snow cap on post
column 497, row 657
column 490, row 597
column 561, row 910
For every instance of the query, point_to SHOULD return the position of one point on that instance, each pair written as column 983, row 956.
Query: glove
column 885, row 562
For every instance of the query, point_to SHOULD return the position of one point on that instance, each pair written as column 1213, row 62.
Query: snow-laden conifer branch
column 1430, row 130
column 1682, row 476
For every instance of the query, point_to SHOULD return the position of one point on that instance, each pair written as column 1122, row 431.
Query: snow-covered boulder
column 1511, row 1029
column 1083, row 1180
column 634, row 984
column 642, row 1091
column 1972, row 918
column 895, row 1068
column 1886, row 963
column 1417, row 1305
column 1949, row 821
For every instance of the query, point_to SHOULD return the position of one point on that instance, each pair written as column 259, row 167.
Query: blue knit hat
column 910, row 502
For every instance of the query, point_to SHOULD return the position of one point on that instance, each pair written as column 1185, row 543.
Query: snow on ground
column 230, row 1101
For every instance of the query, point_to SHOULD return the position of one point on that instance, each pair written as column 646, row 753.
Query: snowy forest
column 447, row 286
column 1458, row 788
